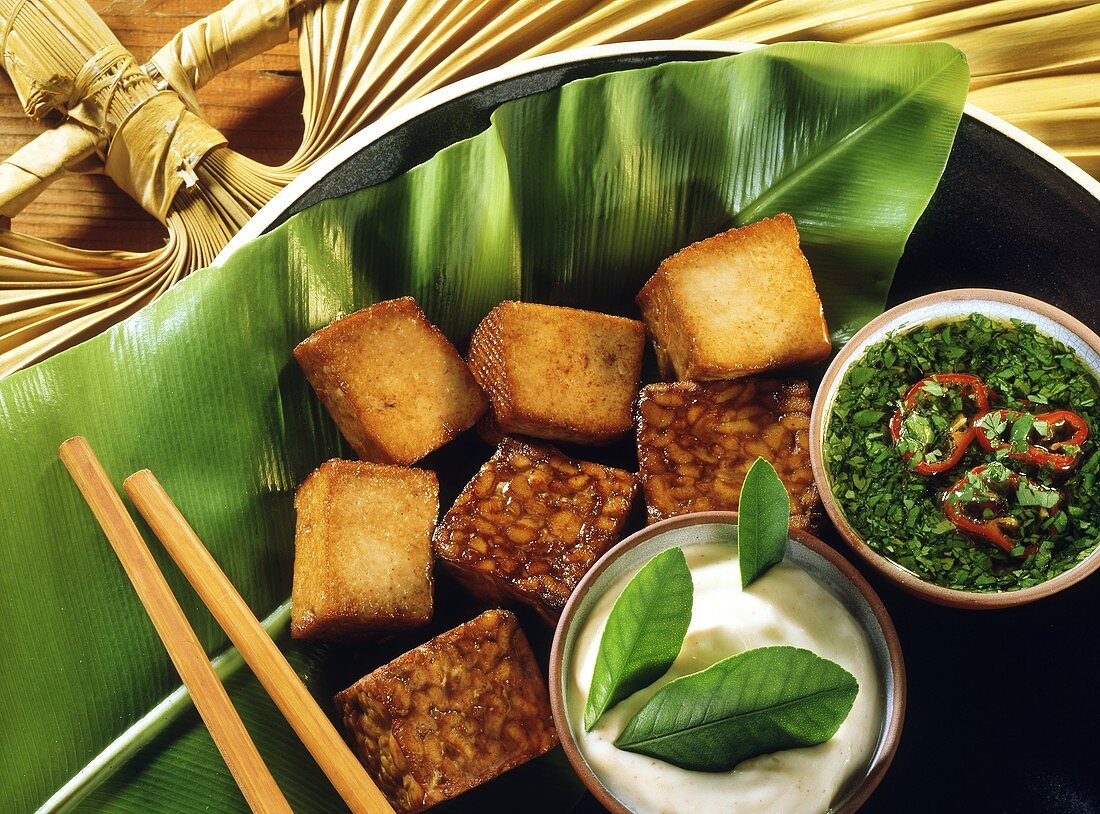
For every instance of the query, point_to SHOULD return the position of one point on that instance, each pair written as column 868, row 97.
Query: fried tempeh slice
column 362, row 550
column 557, row 373
column 531, row 523
column 737, row 303
column 393, row 383
column 460, row 710
column 696, row 442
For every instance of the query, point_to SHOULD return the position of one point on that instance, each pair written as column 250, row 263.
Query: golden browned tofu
column 464, row 708
column 696, row 442
column 557, row 373
column 737, row 303
column 531, row 523
column 393, row 383
column 362, row 550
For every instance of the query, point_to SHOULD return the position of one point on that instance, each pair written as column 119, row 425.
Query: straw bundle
column 1034, row 62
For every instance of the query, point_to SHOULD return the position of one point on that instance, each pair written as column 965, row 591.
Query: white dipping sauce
column 786, row 606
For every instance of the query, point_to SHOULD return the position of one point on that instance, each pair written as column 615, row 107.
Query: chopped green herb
column 1021, row 428
column 1027, row 495
column 868, row 418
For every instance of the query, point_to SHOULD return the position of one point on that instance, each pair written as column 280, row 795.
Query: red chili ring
column 988, row 530
column 1036, row 455
column 961, row 440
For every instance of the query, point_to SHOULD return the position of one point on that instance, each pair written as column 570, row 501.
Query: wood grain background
column 257, row 105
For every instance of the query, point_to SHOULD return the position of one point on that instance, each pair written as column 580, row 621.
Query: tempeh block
column 531, row 523
column 451, row 714
column 696, row 442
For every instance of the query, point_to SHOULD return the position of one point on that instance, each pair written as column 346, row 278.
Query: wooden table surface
column 257, row 105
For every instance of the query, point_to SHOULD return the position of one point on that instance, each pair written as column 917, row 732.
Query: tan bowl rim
column 893, row 571
column 894, row 714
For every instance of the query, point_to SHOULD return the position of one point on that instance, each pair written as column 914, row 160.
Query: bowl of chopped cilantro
column 956, row 444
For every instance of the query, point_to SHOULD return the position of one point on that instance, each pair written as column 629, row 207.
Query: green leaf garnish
column 643, row 634
column 763, row 519
column 750, row 704
column 1021, row 428
column 992, row 424
column 868, row 418
column 1028, row 494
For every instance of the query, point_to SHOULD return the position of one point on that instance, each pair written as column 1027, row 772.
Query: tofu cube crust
column 734, row 304
column 393, row 383
column 460, row 710
column 696, row 442
column 362, row 550
column 557, row 373
column 531, row 523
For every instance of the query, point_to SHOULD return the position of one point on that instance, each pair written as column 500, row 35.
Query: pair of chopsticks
column 278, row 678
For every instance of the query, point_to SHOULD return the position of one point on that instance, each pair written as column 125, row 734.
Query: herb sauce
column 786, row 607
column 899, row 512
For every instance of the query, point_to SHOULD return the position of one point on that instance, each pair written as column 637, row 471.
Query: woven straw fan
column 1034, row 62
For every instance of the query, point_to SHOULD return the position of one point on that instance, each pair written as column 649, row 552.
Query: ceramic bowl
column 818, row 559
column 939, row 307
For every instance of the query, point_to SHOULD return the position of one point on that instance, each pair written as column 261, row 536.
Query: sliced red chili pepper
column 979, row 501
column 975, row 394
column 1058, row 448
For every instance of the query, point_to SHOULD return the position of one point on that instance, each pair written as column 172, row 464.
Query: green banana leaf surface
column 571, row 196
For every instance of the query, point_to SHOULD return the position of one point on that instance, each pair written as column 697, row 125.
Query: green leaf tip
column 763, row 521
column 761, row 701
column 643, row 633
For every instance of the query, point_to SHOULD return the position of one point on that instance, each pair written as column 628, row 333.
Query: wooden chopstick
column 316, row 731
column 221, row 718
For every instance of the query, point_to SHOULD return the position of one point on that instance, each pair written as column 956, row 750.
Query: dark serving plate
column 1003, row 711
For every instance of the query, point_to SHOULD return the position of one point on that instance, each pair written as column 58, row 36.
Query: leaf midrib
column 749, row 212
column 745, row 715
column 646, row 620
column 750, row 522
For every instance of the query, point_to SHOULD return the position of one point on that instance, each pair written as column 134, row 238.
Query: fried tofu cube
column 737, row 303
column 531, row 523
column 558, row 373
column 696, row 442
column 393, row 383
column 362, row 550
column 460, row 710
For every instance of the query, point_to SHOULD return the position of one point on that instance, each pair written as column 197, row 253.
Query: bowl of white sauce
column 814, row 599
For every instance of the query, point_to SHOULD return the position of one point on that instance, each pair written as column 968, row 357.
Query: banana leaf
column 570, row 196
